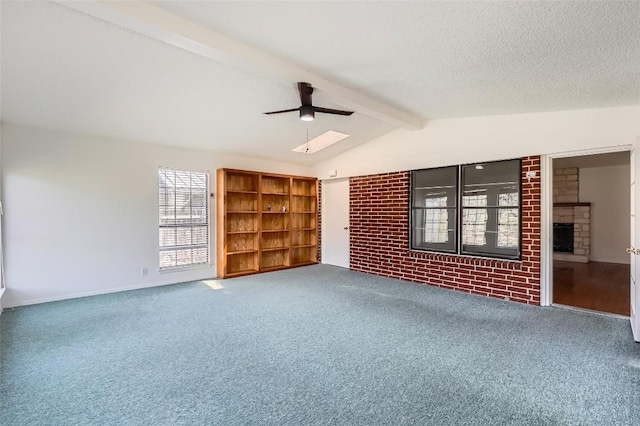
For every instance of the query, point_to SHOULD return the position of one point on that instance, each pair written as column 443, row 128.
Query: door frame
column 546, row 213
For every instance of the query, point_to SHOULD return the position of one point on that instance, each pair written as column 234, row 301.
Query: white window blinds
column 183, row 218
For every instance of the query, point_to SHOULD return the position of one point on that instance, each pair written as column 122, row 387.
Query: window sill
column 467, row 259
column 185, row 268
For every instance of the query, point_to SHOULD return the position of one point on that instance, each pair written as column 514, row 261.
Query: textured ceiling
column 450, row 59
column 65, row 70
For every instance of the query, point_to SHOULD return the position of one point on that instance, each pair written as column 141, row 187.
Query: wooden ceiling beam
column 154, row 22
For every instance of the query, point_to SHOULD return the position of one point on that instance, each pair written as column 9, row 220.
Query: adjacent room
column 345, row 213
column 591, row 232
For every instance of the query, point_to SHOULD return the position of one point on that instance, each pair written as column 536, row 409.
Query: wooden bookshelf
column 266, row 222
column 304, row 221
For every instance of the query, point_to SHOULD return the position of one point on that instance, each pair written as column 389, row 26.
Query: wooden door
column 634, row 250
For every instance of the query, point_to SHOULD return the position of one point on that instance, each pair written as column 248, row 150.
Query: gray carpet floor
column 313, row 346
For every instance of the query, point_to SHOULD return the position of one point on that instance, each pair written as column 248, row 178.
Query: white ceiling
column 65, row 70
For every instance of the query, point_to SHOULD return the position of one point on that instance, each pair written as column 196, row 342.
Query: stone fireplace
column 570, row 217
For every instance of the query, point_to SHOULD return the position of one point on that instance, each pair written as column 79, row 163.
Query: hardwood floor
column 597, row 286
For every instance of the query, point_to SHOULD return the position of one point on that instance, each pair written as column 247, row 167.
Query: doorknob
column 632, row 250
column 346, row 228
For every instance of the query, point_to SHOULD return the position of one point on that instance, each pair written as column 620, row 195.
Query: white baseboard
column 1, row 293
column 99, row 292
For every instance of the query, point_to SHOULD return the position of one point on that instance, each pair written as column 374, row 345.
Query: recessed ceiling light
column 321, row 142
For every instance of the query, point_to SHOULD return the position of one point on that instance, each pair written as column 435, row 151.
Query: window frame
column 455, row 208
column 496, row 208
column 459, row 208
column 207, row 197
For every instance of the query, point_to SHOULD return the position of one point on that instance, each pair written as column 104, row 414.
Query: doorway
column 335, row 222
column 591, row 231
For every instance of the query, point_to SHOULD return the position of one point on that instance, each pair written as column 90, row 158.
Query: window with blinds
column 183, row 218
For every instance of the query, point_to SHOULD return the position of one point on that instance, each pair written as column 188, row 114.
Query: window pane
column 492, row 179
column 510, row 198
column 167, row 237
column 508, row 226
column 184, row 257
column 491, row 213
column 201, row 255
column 475, row 200
column 434, row 197
column 474, row 226
column 435, row 186
column 183, row 218
column 183, row 236
column 199, row 235
column 434, row 200
column 167, row 259
column 434, row 229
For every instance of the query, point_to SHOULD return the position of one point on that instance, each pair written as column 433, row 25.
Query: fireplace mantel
column 571, row 204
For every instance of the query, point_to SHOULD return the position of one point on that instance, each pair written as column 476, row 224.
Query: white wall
column 81, row 212
column 1, row 227
column 607, row 189
column 468, row 140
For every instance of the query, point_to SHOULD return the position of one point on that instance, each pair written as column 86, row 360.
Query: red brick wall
column 379, row 221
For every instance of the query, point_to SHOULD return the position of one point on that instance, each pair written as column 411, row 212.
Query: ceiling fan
column 307, row 110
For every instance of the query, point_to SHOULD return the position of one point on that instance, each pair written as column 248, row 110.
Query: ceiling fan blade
column 281, row 111
column 305, row 90
column 332, row 111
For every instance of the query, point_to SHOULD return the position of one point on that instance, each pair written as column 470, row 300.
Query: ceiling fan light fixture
column 307, row 113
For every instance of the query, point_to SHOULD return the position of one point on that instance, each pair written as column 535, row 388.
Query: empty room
column 319, row 213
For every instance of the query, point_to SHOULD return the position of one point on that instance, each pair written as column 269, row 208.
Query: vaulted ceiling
column 200, row 74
